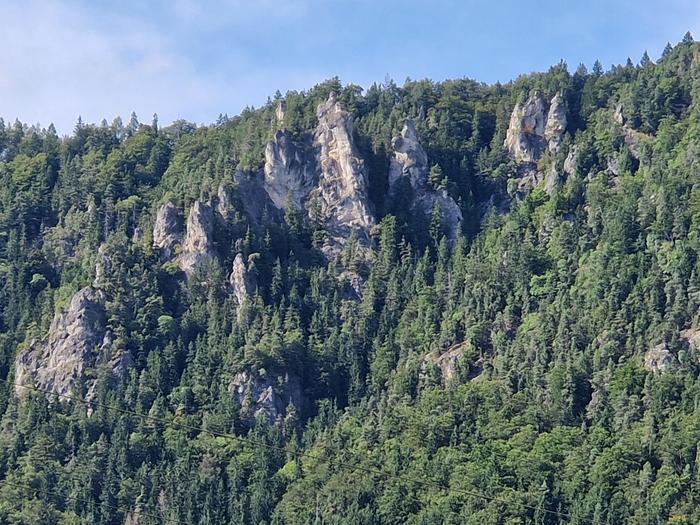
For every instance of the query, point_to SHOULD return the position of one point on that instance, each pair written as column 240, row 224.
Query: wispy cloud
column 193, row 59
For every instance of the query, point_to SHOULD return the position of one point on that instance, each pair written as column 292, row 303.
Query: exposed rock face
column 342, row 189
column 224, row 202
column 556, row 123
column 267, row 395
column 280, row 112
column 290, row 171
column 525, row 135
column 534, row 128
column 77, row 341
column 658, row 359
column 255, row 201
column 242, row 283
column 571, row 161
column 410, row 161
column 197, row 247
column 167, row 230
column 452, row 363
column 103, row 267
column 632, row 137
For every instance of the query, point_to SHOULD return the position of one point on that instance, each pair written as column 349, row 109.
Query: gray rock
column 535, row 127
column 77, row 341
column 103, row 267
column 525, row 136
column 632, row 137
column 243, row 285
column 571, row 161
column 551, row 181
column 167, row 230
column 341, row 193
column 224, row 202
column 410, row 161
column 280, row 113
column 197, row 248
column 263, row 395
column 452, row 362
column 658, row 359
column 556, row 123
column 290, row 171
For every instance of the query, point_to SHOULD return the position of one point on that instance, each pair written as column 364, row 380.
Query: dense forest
column 442, row 302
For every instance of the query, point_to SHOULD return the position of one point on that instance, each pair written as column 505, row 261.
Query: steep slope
column 442, row 302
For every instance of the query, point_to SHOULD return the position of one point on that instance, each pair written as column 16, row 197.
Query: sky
column 61, row 59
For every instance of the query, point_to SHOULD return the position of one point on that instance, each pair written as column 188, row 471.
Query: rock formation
column 167, row 230
column 556, row 123
column 197, row 248
column 410, row 161
column 534, row 128
column 342, row 188
column 243, row 285
column 224, row 202
column 290, row 171
column 658, row 359
column 452, row 363
column 631, row 136
column 263, row 395
column 78, row 341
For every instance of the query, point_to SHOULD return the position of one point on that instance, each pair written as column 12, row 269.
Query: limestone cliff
column 242, row 282
column 267, row 395
column 411, row 162
column 556, row 123
column 341, row 193
column 167, row 230
column 290, row 171
column 197, row 248
column 78, row 341
column 535, row 127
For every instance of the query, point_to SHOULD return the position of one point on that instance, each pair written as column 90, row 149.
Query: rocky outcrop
column 255, row 201
column 197, row 248
column 410, row 162
column 290, row 171
column 556, row 123
column 224, row 202
column 453, row 363
column 280, row 113
column 78, row 341
column 658, row 359
column 535, row 127
column 571, row 161
column 410, row 159
column 267, row 395
column 341, row 193
column 243, row 285
column 632, row 137
column 167, row 230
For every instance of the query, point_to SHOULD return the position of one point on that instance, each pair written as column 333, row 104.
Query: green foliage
column 500, row 379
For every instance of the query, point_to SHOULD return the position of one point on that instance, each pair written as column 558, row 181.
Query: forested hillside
column 446, row 302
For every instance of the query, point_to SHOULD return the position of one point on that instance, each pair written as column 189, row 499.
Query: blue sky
column 195, row 59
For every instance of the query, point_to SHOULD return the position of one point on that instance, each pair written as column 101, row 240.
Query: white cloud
column 60, row 61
